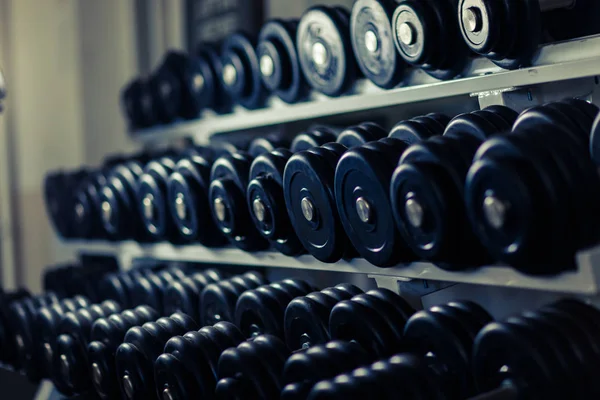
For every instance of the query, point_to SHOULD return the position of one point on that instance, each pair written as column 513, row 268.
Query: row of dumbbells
column 526, row 183
column 261, row 340
column 330, row 47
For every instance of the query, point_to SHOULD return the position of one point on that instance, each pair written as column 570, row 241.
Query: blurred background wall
column 65, row 62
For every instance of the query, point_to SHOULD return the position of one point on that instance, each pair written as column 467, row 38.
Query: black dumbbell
column 308, row 192
column 509, row 33
column 438, row 343
column 187, row 193
column 152, row 196
column 306, row 320
column 214, row 96
column 549, row 354
column 252, row 370
column 151, row 288
column 227, row 199
column 279, row 62
column 107, row 334
column 264, row 195
column 87, row 209
column 303, row 369
column 263, row 145
column 137, row 104
column 120, row 216
column 325, row 50
column 71, row 374
column 373, row 42
column 262, row 310
column 21, row 316
column 77, row 279
column 166, row 90
column 183, row 295
column 120, row 286
column 532, row 195
column 427, row 35
column 58, row 198
column 427, row 189
column 54, row 279
column 7, row 348
column 38, row 360
column 402, row 373
column 218, row 300
column 241, row 77
column 141, row 347
column 375, row 320
column 187, row 369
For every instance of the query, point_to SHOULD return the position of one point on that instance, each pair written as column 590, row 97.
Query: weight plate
column 373, row 43
column 325, row 51
column 241, row 76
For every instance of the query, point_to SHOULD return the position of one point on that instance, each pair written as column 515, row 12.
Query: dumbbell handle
column 504, row 392
column 547, row 5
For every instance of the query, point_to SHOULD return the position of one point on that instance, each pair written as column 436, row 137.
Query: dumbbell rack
column 561, row 70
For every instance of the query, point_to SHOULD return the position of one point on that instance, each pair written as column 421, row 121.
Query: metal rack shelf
column 556, row 62
column 585, row 280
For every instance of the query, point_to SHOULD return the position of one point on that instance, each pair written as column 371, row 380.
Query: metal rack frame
column 575, row 64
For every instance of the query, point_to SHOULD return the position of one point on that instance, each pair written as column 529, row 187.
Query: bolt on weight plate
column 426, row 35
column 325, row 50
column 373, row 44
column 241, row 77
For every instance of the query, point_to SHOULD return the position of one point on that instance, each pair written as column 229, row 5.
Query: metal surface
column 586, row 280
column 556, row 62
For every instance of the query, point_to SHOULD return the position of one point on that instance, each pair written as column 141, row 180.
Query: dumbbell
column 308, row 183
column 439, row 341
column 303, row 369
column 532, row 195
column 187, row 197
column 106, row 335
column 141, row 347
column 214, row 96
column 252, row 370
column 137, row 104
column 120, row 286
column 509, row 33
column 22, row 317
column 38, row 360
column 262, row 310
column 71, row 374
column 306, row 320
column 227, row 192
column 241, row 75
column 218, row 300
column 375, row 320
column 187, row 369
column 550, row 354
column 121, row 219
column 7, row 350
column 166, row 90
column 151, row 197
column 87, row 209
column 58, row 198
column 427, row 189
column 362, row 190
column 402, row 373
column 151, row 288
column 373, row 42
column 325, row 50
column 183, row 295
column 279, row 61
column 264, row 195
column 427, row 36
